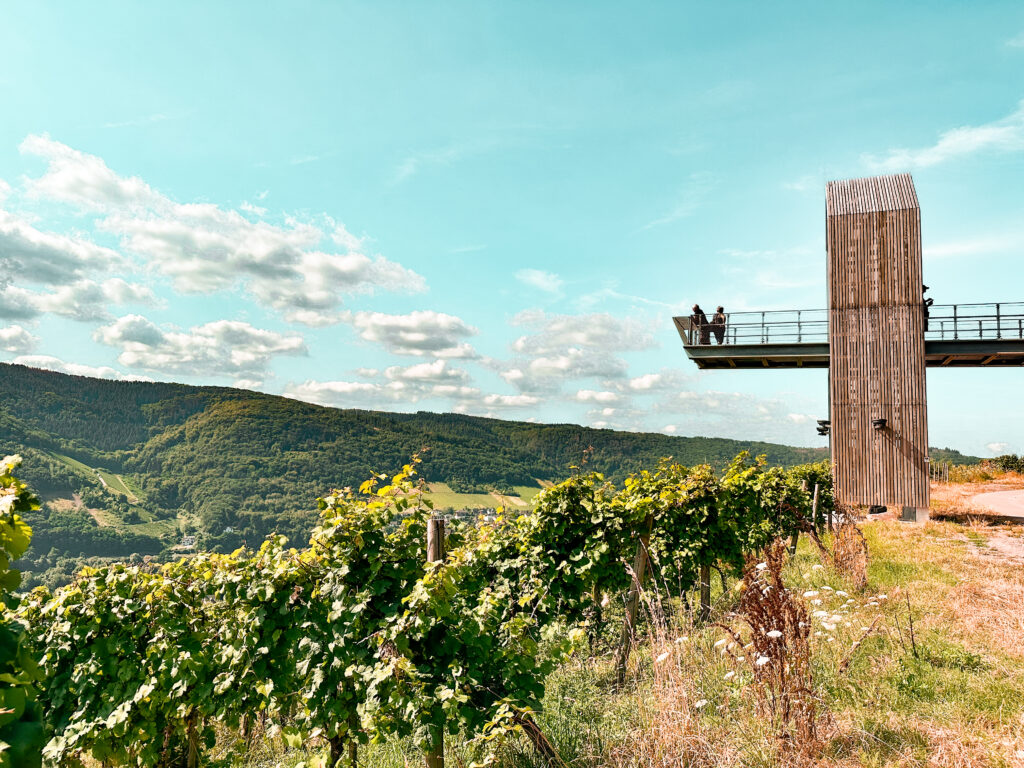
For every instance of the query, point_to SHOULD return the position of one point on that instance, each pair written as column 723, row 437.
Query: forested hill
column 249, row 463
column 128, row 467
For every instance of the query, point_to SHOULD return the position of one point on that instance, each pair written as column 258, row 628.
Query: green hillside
column 128, row 467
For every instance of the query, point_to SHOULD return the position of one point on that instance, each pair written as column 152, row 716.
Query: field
column 444, row 497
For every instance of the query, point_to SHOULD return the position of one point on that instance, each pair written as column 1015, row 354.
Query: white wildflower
column 829, row 627
column 816, row 601
column 661, row 658
column 827, row 588
column 762, row 660
column 820, row 614
column 701, row 703
column 817, row 567
column 883, row 597
column 729, row 675
column 682, row 639
column 774, row 634
column 811, row 593
column 720, row 643
column 761, row 566
column 842, row 594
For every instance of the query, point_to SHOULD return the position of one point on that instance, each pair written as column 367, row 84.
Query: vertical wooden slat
column 876, row 337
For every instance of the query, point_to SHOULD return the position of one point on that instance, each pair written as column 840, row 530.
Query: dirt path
column 1004, row 503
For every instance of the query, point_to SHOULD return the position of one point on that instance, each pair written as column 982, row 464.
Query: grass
column 115, row 483
column 443, row 496
column 74, row 464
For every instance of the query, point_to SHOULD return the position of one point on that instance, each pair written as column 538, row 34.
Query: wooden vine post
column 435, row 554
column 794, row 538
column 705, row 592
column 633, row 599
column 814, row 506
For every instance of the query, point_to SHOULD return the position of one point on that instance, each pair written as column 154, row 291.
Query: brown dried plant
column 775, row 644
column 850, row 549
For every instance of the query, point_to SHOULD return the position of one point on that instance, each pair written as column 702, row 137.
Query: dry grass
column 850, row 550
column 951, row 697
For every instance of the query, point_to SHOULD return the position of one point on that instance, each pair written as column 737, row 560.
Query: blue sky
column 492, row 208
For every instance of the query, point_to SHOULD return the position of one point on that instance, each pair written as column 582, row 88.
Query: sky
column 493, row 208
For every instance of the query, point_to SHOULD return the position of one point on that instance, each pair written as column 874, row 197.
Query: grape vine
column 356, row 637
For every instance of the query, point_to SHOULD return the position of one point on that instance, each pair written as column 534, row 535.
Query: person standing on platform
column 718, row 325
column 700, row 322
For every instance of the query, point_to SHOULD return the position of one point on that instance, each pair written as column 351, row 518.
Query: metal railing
column 943, row 322
column 798, row 326
column 955, row 322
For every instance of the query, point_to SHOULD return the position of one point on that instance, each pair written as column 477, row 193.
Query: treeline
column 1009, row 462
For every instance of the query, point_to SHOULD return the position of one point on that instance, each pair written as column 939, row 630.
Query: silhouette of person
column 718, row 325
column 700, row 322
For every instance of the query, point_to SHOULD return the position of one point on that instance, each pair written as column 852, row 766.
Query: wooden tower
column 877, row 347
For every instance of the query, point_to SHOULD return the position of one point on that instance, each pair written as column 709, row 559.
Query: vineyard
column 388, row 624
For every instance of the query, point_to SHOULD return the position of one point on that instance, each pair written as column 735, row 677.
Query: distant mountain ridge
column 233, row 465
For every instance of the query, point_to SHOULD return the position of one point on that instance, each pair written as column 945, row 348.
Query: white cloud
column 87, row 300
column 737, row 415
column 339, row 394
column 511, row 401
column 563, row 348
column 17, row 303
column 577, row 363
column 84, row 180
column 379, row 394
column 997, row 449
column 594, row 396
column 437, row 372
column 16, row 340
column 1017, row 41
column 556, row 333
column 205, row 248
column 220, row 348
column 1005, row 135
column 667, row 380
column 418, row 333
column 34, row 256
column 539, row 279
column 50, row 363
column 437, row 380
column 62, row 270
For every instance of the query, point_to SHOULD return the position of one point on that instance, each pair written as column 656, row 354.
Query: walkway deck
column 957, row 335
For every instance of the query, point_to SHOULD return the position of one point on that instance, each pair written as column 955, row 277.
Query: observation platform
column 956, row 336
